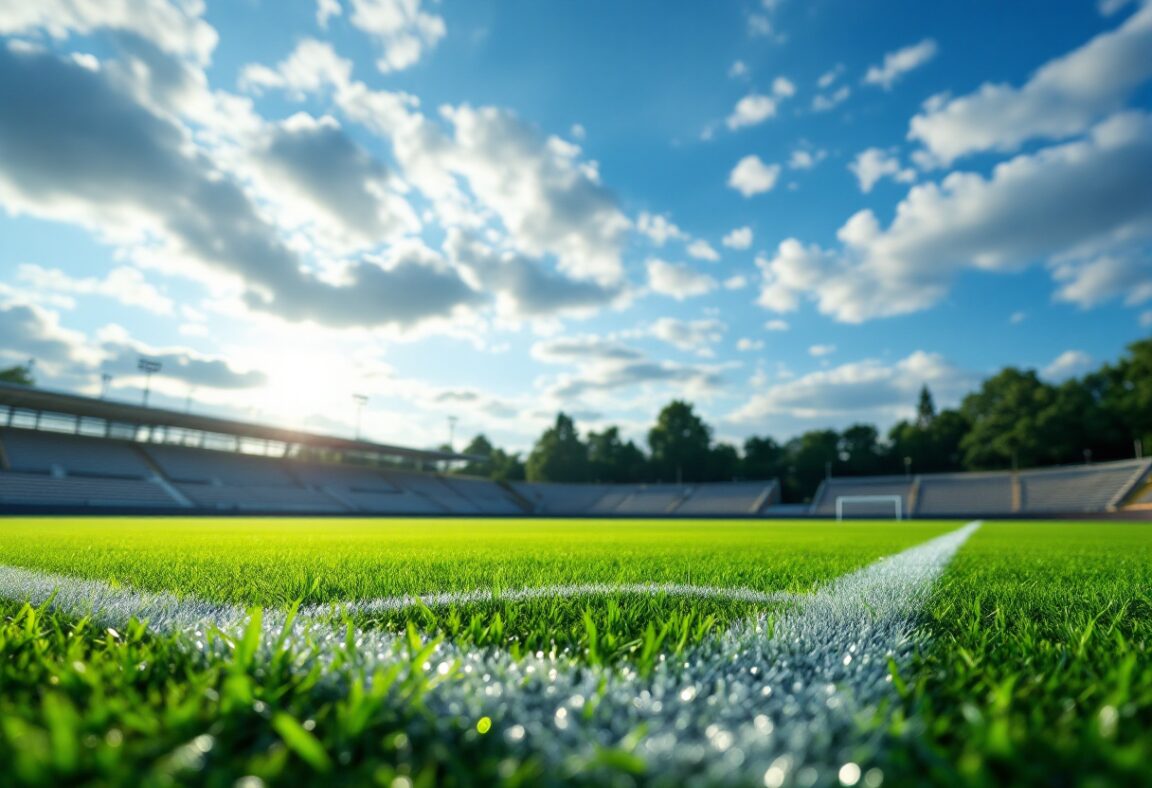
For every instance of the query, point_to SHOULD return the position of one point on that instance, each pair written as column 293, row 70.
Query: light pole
column 361, row 401
column 907, row 467
column 149, row 367
column 105, row 380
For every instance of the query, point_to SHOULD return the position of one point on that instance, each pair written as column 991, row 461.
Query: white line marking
column 780, row 707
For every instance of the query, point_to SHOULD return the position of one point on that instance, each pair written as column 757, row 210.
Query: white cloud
column 747, row 345
column 826, row 102
column 830, row 76
column 123, row 284
column 776, row 325
column 1146, row 318
column 897, row 64
column 1084, row 206
column 1064, row 97
column 803, row 159
column 1068, row 364
column 325, row 10
column 1016, row 318
column 403, row 30
column 702, row 250
column 868, row 390
column 311, row 66
column 736, row 282
column 691, row 336
column 678, row 280
column 659, row 228
column 873, row 164
column 738, row 238
column 753, row 109
column 738, row 69
column 818, row 351
column 783, row 87
column 751, row 176
column 175, row 27
column 1110, row 7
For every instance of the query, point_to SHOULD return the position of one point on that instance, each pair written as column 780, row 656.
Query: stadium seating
column 556, row 498
column 962, row 494
column 81, row 491
column 824, row 502
column 258, row 498
column 1091, row 488
column 487, row 497
column 219, row 467
column 738, row 498
column 30, row 451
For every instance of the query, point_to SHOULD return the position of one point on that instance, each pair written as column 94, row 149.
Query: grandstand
column 60, row 452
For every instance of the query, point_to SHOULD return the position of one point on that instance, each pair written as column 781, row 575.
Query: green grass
column 1040, row 666
column 275, row 562
column 1038, row 671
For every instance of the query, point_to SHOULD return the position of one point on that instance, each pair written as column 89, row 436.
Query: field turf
column 1034, row 668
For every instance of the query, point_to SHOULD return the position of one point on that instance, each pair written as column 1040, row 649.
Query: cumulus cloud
column 776, row 325
column 751, row 176
column 825, row 102
column 691, row 336
column 1064, row 97
column 868, row 390
column 830, row 76
column 819, row 351
column 123, row 284
column 738, row 69
column 873, row 164
column 804, row 159
column 181, row 364
column 176, row 27
column 604, row 365
column 314, row 167
column 31, row 332
column 524, row 287
column 660, row 229
column 325, row 10
column 402, row 28
column 897, row 64
column 310, row 67
column 702, row 250
column 747, row 345
column 97, row 158
column 755, row 108
column 678, row 280
column 738, row 238
column 1084, row 206
column 1068, row 364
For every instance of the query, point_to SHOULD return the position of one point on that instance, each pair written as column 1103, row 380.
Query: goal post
column 897, row 502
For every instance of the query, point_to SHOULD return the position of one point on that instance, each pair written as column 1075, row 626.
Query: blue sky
column 793, row 214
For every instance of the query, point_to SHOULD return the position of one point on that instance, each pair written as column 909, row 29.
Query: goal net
column 869, row 506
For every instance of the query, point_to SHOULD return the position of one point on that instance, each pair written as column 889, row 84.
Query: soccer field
column 404, row 652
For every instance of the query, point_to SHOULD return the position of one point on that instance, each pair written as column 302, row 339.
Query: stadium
column 794, row 358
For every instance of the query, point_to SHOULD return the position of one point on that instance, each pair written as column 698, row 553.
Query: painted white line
column 774, row 708
column 447, row 599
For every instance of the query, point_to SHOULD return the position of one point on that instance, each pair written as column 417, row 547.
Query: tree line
column 1013, row 420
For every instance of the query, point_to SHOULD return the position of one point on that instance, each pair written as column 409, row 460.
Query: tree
column 559, row 455
column 809, row 458
column 925, row 409
column 21, row 375
column 859, row 450
column 1006, row 426
column 679, row 444
column 763, row 459
column 479, row 447
column 723, row 463
column 612, row 459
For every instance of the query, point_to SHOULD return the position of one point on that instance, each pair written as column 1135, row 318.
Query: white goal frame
column 842, row 499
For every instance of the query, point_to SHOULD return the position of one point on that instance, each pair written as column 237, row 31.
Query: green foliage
column 612, row 459
column 559, row 455
column 21, row 374
column 679, row 443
